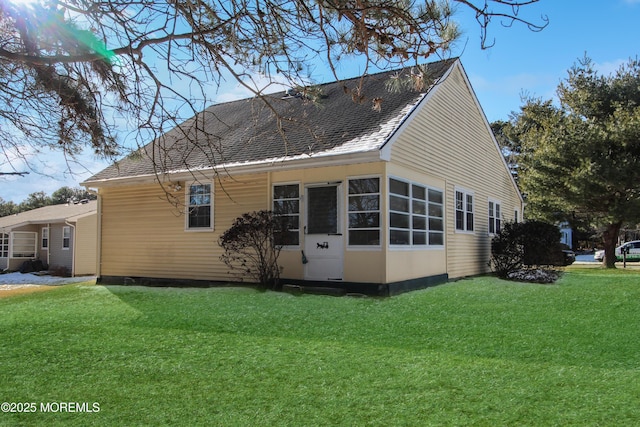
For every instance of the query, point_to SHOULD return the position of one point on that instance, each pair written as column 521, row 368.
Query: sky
column 521, row 62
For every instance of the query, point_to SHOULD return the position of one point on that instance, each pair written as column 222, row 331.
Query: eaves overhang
column 244, row 168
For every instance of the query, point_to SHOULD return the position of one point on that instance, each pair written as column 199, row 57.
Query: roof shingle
column 255, row 130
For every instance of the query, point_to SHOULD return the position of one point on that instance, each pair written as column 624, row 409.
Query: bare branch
column 74, row 73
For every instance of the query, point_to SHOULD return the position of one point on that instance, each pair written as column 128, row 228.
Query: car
column 631, row 248
column 599, row 255
column 568, row 256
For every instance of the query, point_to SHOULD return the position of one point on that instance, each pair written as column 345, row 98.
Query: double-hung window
column 416, row 214
column 364, row 212
column 286, row 207
column 464, row 210
column 45, row 238
column 494, row 217
column 66, row 237
column 199, row 207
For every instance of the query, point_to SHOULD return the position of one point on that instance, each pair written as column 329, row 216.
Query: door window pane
column 322, row 217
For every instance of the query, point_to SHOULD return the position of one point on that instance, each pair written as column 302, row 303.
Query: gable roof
column 49, row 214
column 284, row 128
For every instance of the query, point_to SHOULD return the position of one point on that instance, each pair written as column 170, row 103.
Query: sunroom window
column 286, row 207
column 364, row 212
column 416, row 214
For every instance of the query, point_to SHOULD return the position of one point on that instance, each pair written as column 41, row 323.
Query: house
column 384, row 191
column 61, row 236
column 566, row 234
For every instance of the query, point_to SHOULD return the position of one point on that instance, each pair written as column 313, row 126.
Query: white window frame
column 348, row 212
column 494, row 212
column 188, row 206
column 412, row 199
column 44, row 240
column 294, row 214
column 66, row 236
column 17, row 236
column 5, row 245
column 466, row 211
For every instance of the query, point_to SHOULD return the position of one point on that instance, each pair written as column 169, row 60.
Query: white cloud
column 610, row 67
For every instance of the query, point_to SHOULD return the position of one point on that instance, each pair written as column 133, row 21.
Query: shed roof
column 280, row 128
column 49, row 214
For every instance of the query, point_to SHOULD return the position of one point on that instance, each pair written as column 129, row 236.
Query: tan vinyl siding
column 143, row 235
column 85, row 248
column 449, row 139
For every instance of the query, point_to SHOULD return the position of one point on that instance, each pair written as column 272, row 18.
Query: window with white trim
column 4, row 245
column 464, row 211
column 495, row 215
column 23, row 244
column 286, row 207
column 45, row 238
column 199, row 207
column 416, row 214
column 436, row 217
column 66, row 237
column 364, row 212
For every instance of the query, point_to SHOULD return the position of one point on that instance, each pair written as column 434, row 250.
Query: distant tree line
column 40, row 199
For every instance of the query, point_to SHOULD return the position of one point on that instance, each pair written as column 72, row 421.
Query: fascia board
column 241, row 169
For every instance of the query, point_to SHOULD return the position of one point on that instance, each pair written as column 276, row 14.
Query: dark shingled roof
column 249, row 131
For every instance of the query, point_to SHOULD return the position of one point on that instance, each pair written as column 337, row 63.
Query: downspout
column 99, row 239
column 49, row 245
column 99, row 231
column 73, row 251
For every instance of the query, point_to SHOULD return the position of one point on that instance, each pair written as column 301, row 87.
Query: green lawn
column 473, row 352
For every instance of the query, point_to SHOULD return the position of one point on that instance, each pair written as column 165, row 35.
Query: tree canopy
column 75, row 72
column 582, row 157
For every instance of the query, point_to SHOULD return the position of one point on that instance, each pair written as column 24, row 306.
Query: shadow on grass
column 583, row 321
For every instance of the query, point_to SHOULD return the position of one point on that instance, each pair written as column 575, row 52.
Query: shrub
column 250, row 247
column 541, row 244
column 525, row 244
column 507, row 249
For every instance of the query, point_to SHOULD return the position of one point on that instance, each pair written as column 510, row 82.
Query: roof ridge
column 330, row 82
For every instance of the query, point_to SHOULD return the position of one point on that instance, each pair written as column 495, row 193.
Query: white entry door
column 323, row 240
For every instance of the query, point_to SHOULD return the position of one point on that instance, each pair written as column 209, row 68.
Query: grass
column 473, row 352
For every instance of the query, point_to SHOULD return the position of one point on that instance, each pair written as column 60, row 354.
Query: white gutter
column 270, row 165
column 73, row 254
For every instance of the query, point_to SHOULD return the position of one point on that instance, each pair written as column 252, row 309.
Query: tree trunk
column 610, row 237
